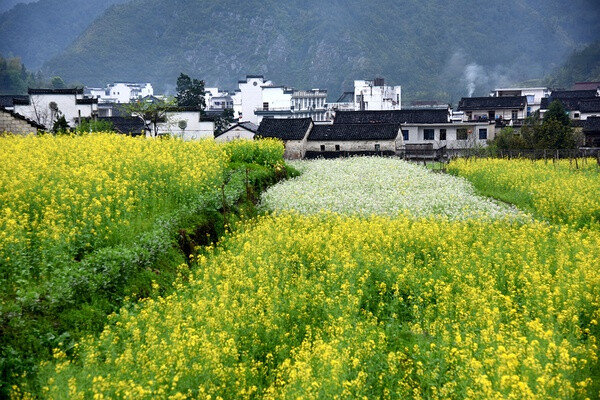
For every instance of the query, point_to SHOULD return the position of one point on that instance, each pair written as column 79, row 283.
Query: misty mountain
column 581, row 66
column 40, row 30
column 433, row 48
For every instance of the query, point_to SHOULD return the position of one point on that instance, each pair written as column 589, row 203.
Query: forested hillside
column 581, row 66
column 39, row 30
column 433, row 48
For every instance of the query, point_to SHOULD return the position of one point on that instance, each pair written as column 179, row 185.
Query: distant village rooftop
column 492, row 103
column 346, row 132
column 284, row 129
column 412, row 116
column 74, row 91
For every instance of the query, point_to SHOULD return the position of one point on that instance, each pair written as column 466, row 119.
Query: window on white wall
column 428, row 134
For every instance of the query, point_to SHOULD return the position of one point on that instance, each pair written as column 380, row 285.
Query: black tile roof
column 21, row 101
column 284, row 129
column 569, row 104
column 22, row 118
column 573, row 94
column 592, row 124
column 9, row 100
column 87, row 100
column 492, row 103
column 413, row 116
column 249, row 126
column 184, row 109
column 55, row 91
column 342, row 132
column 590, row 106
column 126, row 125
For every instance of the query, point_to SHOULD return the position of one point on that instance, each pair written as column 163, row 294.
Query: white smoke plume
column 475, row 77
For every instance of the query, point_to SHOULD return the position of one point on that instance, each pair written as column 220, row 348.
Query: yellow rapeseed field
column 61, row 197
column 565, row 192
column 329, row 306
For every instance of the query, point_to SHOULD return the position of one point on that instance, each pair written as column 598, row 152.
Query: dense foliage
column 87, row 220
column 344, row 307
column 564, row 191
column 190, row 92
column 15, row 78
column 582, row 66
column 433, row 50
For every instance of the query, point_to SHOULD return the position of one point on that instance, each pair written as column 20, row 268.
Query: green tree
column 60, row 125
column 223, row 121
column 190, row 92
column 150, row 111
column 553, row 132
column 557, row 112
column 507, row 139
column 88, row 125
column 57, row 83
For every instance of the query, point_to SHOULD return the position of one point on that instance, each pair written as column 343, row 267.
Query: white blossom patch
column 382, row 186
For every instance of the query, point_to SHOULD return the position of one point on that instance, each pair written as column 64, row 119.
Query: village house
column 508, row 110
column 217, row 100
column 44, row 106
column 293, row 132
column 534, row 96
column 353, row 139
column 425, row 128
column 257, row 99
column 120, row 92
column 591, row 131
column 376, row 95
column 187, row 123
column 572, row 101
column 242, row 130
column 14, row 123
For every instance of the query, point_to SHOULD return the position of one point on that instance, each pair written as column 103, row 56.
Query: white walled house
column 497, row 111
column 243, row 130
column 276, row 103
column 196, row 126
column 450, row 135
column 45, row 105
column 534, row 96
column 354, row 139
column 236, row 98
column 589, row 108
column 217, row 100
column 121, row 92
column 580, row 104
column 431, row 127
column 376, row 95
column 257, row 99
column 251, row 97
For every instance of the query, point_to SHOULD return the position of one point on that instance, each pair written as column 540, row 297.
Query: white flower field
column 381, row 186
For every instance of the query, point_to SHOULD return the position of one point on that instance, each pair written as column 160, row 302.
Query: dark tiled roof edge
column 55, row 91
column 22, row 118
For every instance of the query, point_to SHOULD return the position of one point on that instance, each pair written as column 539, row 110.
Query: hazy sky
column 8, row 4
